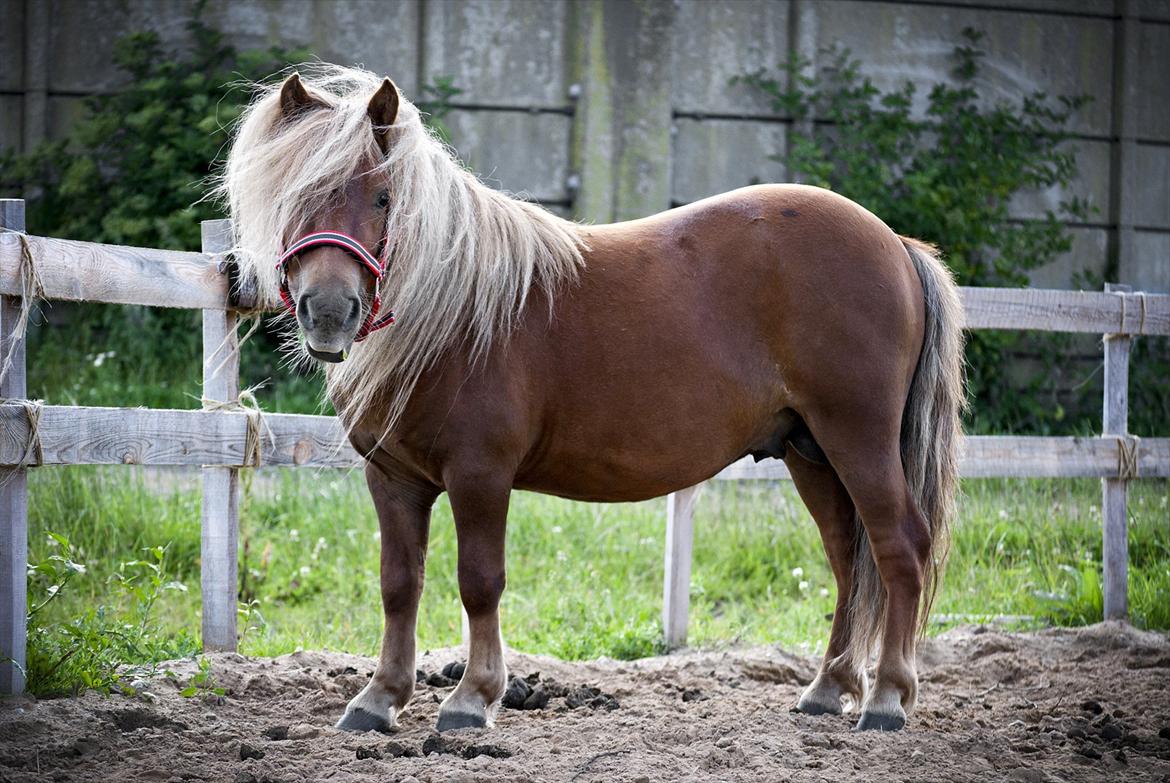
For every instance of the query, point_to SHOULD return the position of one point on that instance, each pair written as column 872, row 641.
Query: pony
column 602, row 362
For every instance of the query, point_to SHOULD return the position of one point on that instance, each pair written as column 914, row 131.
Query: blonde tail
column 930, row 442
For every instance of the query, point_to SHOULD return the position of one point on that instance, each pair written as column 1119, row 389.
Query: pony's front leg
column 480, row 505
column 404, row 510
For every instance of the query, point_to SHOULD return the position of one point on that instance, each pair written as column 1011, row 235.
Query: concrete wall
column 612, row 109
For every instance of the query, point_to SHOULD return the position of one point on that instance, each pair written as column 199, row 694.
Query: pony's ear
column 295, row 99
column 383, row 110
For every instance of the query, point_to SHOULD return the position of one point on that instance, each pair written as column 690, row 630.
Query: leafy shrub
column 132, row 172
column 88, row 651
column 949, row 177
column 437, row 96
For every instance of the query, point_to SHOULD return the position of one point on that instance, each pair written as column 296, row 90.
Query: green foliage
column 585, row 579
column 124, row 356
column 104, row 646
column 133, row 171
column 1149, row 386
column 948, row 177
column 437, row 97
column 202, row 684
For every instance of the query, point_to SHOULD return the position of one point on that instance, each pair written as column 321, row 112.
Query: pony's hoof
column 878, row 721
column 357, row 719
column 811, row 707
column 452, row 720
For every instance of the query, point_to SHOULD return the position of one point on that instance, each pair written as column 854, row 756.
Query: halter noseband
column 359, row 253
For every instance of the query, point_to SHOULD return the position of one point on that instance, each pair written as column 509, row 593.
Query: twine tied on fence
column 247, row 404
column 1127, row 457
column 34, row 452
column 1141, row 295
column 31, row 289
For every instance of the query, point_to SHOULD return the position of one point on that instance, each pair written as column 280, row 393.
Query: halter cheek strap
column 359, row 253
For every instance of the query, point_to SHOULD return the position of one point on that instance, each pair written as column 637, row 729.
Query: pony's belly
column 635, row 465
column 671, row 419
column 610, row 486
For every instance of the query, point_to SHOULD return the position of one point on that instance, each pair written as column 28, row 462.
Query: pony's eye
column 383, row 199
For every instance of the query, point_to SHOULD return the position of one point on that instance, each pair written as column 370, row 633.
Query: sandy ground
column 1084, row 705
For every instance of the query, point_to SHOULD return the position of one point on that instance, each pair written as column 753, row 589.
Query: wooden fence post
column 676, row 588
column 221, row 514
column 1115, row 421
column 13, row 496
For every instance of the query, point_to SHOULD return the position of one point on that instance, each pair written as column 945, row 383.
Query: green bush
column 89, row 650
column 133, row 171
column 949, row 177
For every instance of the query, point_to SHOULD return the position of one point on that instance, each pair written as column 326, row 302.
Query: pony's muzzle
column 329, row 323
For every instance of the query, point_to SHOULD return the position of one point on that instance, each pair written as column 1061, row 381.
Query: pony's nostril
column 305, row 312
column 355, row 309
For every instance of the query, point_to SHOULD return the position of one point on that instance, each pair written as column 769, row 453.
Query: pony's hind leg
column 899, row 542
column 404, row 521
column 480, row 506
column 840, row 674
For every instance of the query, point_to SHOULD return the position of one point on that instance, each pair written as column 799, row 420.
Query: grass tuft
column 584, row 580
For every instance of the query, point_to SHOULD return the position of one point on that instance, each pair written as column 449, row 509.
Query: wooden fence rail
column 220, row 442
column 72, row 435
column 87, row 271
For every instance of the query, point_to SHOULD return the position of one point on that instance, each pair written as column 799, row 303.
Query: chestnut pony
column 605, row 363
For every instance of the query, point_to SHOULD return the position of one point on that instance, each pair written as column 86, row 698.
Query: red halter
column 359, row 253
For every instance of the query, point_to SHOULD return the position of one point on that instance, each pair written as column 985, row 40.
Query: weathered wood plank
column 87, row 271
column 219, row 540
column 220, row 518
column 142, row 436
column 13, row 495
column 114, row 274
column 676, row 586
column 996, row 456
column 1114, row 490
column 1066, row 311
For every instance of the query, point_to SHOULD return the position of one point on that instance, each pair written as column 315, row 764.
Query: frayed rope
column 34, row 452
column 31, row 290
column 1141, row 297
column 1127, row 457
column 246, row 403
column 232, row 341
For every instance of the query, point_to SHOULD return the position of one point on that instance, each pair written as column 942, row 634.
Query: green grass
column 584, row 580
column 122, row 356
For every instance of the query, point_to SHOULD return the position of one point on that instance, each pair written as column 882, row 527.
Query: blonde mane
column 464, row 257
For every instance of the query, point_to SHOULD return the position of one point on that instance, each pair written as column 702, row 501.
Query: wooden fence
column 221, row 441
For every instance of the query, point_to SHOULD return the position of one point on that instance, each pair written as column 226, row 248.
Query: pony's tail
column 931, row 438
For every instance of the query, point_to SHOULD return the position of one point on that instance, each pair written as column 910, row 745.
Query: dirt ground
column 1074, row 705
